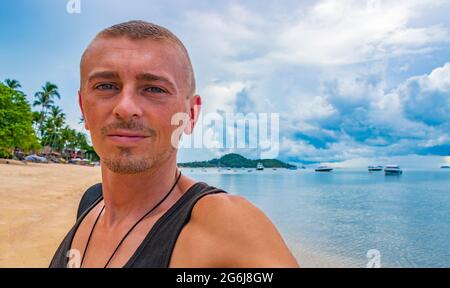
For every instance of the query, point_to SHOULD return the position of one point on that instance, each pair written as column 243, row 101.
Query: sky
column 350, row 80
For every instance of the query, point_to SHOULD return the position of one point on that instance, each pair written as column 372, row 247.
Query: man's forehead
column 104, row 48
column 144, row 54
column 139, row 56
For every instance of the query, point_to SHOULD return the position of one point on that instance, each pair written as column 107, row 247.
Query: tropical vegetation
column 234, row 160
column 22, row 129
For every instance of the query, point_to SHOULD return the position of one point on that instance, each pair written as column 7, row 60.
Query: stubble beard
column 127, row 163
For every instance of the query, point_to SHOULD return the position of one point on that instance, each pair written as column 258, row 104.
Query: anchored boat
column 259, row 166
column 375, row 168
column 392, row 170
column 323, row 169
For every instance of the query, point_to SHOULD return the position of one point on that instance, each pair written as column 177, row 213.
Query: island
column 233, row 160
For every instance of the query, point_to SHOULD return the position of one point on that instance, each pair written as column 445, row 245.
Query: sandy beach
column 38, row 207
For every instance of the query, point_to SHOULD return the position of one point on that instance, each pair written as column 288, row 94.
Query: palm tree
column 13, row 84
column 54, row 124
column 57, row 114
column 68, row 137
column 44, row 99
column 81, row 140
column 37, row 116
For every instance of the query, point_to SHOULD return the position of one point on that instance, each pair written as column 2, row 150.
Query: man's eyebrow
column 103, row 75
column 152, row 77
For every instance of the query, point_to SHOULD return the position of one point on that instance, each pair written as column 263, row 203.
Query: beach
column 38, row 207
column 327, row 220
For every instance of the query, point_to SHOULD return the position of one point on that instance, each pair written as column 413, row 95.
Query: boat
column 259, row 166
column 392, row 170
column 323, row 169
column 445, row 167
column 375, row 168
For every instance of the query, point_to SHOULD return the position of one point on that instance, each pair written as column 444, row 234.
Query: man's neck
column 125, row 195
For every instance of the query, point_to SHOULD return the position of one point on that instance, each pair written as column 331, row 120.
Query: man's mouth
column 125, row 137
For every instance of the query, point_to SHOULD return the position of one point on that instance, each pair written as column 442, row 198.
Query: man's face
column 130, row 91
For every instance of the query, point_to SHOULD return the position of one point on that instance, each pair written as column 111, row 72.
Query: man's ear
column 195, row 104
column 80, row 102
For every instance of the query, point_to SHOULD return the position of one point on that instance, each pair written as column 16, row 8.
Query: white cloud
column 398, row 121
column 426, row 98
column 347, row 32
column 315, row 107
column 439, row 79
column 219, row 96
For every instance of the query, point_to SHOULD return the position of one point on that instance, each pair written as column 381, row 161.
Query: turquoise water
column 347, row 212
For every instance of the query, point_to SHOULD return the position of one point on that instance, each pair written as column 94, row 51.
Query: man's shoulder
column 232, row 232
column 222, row 207
column 229, row 216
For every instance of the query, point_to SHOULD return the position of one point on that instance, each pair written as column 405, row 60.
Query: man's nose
column 127, row 106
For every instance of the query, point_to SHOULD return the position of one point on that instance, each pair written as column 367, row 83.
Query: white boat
column 323, row 169
column 392, row 170
column 259, row 166
column 375, row 168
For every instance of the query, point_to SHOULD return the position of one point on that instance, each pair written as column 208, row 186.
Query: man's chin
column 128, row 165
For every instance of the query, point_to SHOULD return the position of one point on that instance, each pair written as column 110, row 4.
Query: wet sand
column 37, row 208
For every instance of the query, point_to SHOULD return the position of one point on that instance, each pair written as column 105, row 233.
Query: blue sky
column 349, row 79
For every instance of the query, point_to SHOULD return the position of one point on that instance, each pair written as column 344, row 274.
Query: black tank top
column 156, row 249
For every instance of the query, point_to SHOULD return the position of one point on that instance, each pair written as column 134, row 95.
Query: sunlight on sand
column 38, row 208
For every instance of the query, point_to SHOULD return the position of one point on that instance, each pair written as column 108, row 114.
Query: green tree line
column 30, row 131
column 234, row 160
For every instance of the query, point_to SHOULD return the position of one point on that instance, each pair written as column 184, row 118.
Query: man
column 135, row 77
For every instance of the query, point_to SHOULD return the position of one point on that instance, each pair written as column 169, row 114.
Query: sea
column 350, row 217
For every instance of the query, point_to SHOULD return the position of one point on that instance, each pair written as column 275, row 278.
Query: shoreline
column 39, row 208
column 310, row 257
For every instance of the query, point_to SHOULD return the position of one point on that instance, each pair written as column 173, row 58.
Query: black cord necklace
column 131, row 229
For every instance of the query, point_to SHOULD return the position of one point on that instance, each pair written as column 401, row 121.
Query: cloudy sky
column 349, row 79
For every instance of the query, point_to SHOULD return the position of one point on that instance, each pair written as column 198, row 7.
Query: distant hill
column 234, row 160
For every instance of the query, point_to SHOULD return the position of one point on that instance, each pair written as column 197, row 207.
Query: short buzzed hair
column 142, row 30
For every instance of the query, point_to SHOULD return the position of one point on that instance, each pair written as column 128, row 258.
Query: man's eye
column 155, row 90
column 105, row 87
